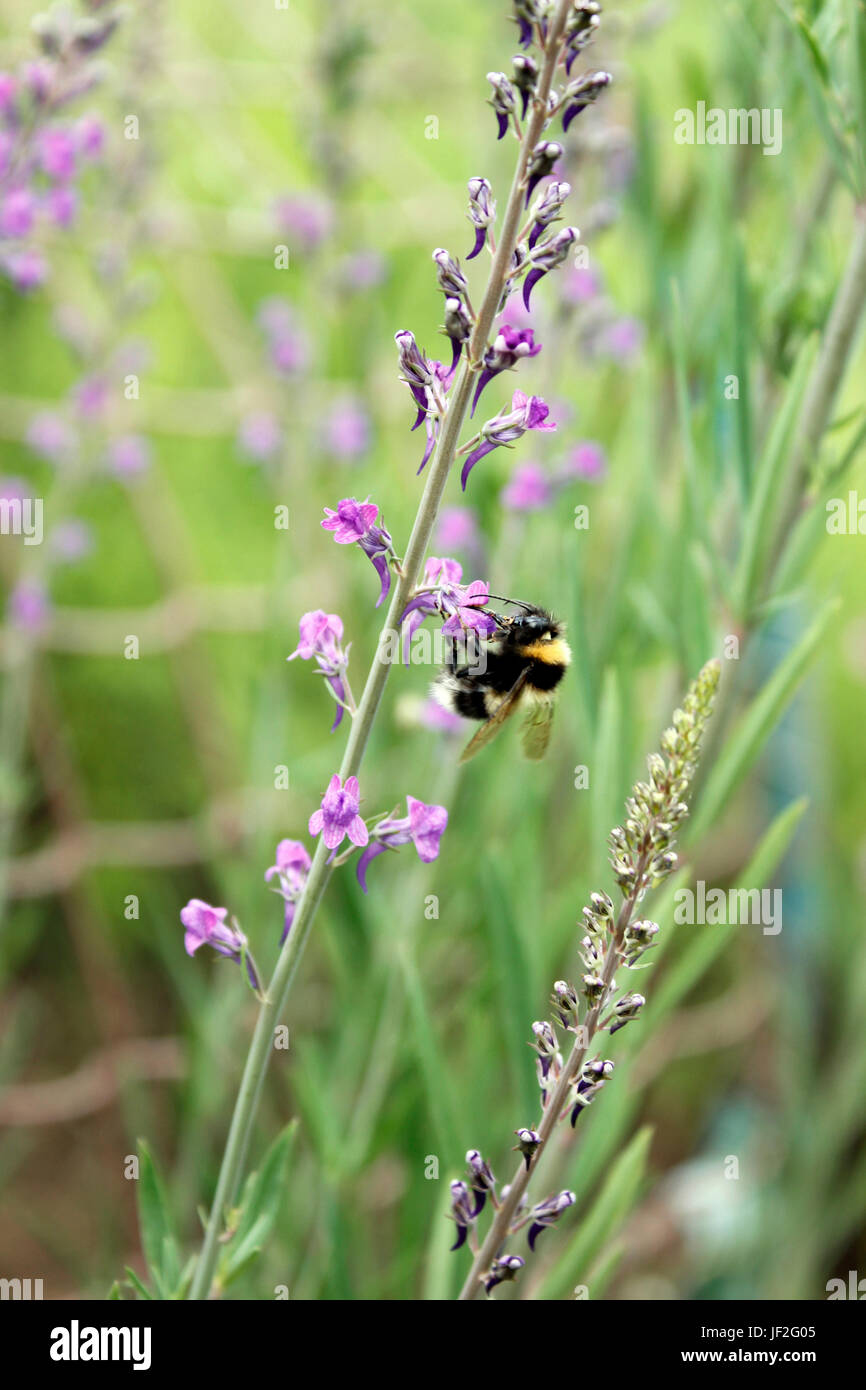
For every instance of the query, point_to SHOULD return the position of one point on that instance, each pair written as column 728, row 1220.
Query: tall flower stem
column 501, row 1224
column 246, row 1105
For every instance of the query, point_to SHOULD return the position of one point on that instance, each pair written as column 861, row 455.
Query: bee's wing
column 536, row 730
column 490, row 728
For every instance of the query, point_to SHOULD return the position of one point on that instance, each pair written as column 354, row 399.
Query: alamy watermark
column 22, row 516
column 734, row 907
column 737, row 126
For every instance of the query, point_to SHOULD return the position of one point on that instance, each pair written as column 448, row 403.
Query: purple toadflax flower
column 592, row 1079
column 503, row 100
column 320, row 637
column 423, row 827
column 582, row 93
column 338, row 815
column 460, row 605
column 428, row 380
column 291, row 868
column 545, row 1213
column 507, row 349
column 546, row 256
column 527, row 413
column 353, row 523
column 207, row 926
column 503, row 1270
column 541, row 163
column 462, row 1211
column 482, row 211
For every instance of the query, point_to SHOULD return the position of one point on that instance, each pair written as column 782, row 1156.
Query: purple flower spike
column 423, row 827
column 527, row 413
column 509, row 346
column 338, row 815
column 207, row 926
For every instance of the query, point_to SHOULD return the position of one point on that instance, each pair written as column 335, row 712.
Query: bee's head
column 533, row 626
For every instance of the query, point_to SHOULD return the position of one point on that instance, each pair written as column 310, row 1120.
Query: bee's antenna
column 518, row 603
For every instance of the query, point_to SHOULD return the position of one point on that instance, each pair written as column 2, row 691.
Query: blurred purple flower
column 347, row 428
column 338, row 815
column 129, row 455
column 51, row 436
column 26, row 269
column 622, row 340
column 528, row 490
column 62, row 205
column 305, row 219
column 57, row 153
column 90, row 136
column 580, row 284
column 17, row 213
column 457, row 529
column 587, row 460
column 259, row 436
column 71, row 540
column 91, row 396
column 363, row 270
column 8, row 93
column 28, row 605
column 13, row 489
column 434, row 716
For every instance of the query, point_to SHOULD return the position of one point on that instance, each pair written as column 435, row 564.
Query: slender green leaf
column 759, row 524
column 606, row 1212
column 747, row 739
column 155, row 1224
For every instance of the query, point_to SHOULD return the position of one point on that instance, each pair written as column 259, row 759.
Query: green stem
column 246, row 1105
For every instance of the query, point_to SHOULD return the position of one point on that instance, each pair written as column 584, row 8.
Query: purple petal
column 530, row 282
column 480, row 236
column 487, row 447
column 485, row 376
column 373, row 850
column 503, row 123
column 462, row 1233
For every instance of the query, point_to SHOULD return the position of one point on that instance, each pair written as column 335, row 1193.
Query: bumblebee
column 519, row 667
